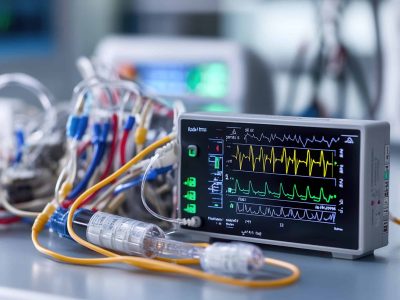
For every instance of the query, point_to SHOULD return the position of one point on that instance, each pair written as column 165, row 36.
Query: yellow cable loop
column 395, row 220
column 146, row 263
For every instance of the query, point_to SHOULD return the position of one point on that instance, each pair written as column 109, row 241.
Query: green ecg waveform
column 291, row 162
column 281, row 193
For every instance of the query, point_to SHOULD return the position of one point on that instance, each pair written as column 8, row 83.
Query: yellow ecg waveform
column 290, row 161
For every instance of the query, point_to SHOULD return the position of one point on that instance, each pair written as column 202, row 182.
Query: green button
column 190, row 181
column 190, row 195
column 192, row 150
column 190, row 208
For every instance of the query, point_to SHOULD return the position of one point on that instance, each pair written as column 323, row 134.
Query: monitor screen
column 282, row 183
column 199, row 80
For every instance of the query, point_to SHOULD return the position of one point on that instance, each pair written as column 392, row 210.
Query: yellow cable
column 140, row 262
column 395, row 220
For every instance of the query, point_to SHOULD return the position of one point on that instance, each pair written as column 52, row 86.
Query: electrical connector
column 233, row 259
column 72, row 125
column 129, row 123
column 122, row 234
column 140, row 136
column 42, row 219
column 167, row 155
column 83, row 124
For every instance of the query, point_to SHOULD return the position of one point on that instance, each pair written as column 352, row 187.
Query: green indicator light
column 192, row 150
column 190, row 181
column 190, row 195
column 386, row 175
column 190, row 208
column 216, row 107
column 335, row 163
column 216, row 163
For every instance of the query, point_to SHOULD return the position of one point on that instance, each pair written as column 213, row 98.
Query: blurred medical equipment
column 32, row 146
column 206, row 74
column 336, row 61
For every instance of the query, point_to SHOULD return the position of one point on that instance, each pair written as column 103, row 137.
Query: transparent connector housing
column 134, row 237
column 174, row 249
column 233, row 259
column 123, row 235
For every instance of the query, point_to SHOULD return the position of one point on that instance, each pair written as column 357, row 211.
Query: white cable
column 192, row 222
column 25, row 81
column 44, row 96
column 15, row 211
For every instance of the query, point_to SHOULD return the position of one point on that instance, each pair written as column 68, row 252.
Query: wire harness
column 150, row 264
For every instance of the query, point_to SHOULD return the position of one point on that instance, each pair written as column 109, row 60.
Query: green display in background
column 5, row 21
column 209, row 80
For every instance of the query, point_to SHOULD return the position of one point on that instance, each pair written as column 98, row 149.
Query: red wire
column 83, row 148
column 122, row 149
column 9, row 220
column 113, row 147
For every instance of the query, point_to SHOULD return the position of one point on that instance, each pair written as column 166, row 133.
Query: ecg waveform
column 289, row 162
column 289, row 138
column 301, row 214
column 281, row 193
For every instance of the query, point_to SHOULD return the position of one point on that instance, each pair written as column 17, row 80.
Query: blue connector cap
column 83, row 124
column 129, row 123
column 72, row 125
column 58, row 221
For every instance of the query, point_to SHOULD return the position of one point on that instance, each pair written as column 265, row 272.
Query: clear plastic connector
column 139, row 238
column 233, row 259
column 174, row 249
column 135, row 238
column 123, row 235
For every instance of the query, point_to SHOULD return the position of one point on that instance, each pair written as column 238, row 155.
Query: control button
column 387, row 154
column 190, row 195
column 386, row 173
column 386, row 212
column 192, row 150
column 386, row 201
column 385, row 226
column 190, row 181
column 190, row 208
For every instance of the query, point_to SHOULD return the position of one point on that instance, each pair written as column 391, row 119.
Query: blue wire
column 138, row 180
column 19, row 134
column 100, row 140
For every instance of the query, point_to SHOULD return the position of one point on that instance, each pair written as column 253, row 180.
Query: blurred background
column 321, row 58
